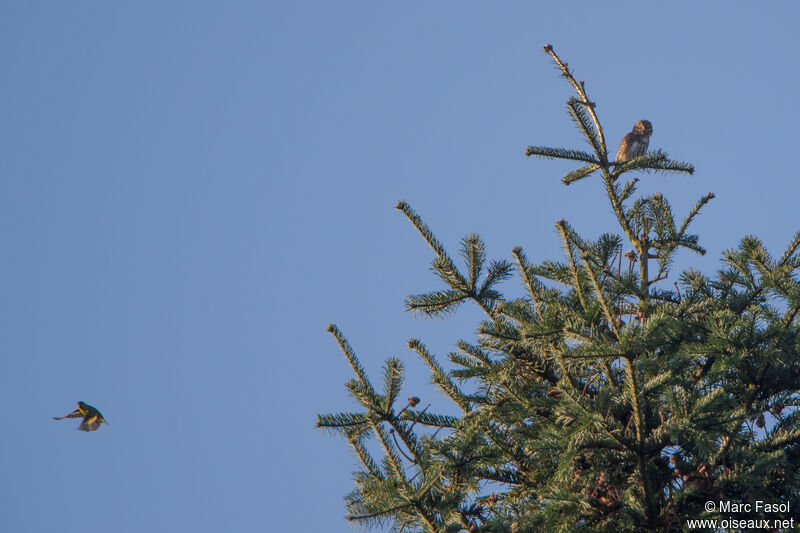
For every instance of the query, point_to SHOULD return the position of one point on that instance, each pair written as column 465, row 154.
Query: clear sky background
column 190, row 192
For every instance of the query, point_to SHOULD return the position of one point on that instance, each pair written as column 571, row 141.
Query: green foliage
column 597, row 400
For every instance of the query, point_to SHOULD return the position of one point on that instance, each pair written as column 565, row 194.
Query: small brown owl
column 635, row 143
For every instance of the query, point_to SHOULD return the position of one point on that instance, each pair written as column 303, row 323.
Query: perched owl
column 635, row 143
column 91, row 417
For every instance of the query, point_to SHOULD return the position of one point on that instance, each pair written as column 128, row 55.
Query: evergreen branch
column 393, row 382
column 428, row 516
column 351, row 357
column 659, row 214
column 471, row 368
column 790, row 250
column 531, row 283
column 734, row 426
column 638, row 408
column 500, row 475
column 606, row 248
column 628, row 189
column 497, row 271
column 598, row 420
column 439, row 377
column 579, row 173
column 614, row 195
column 427, row 419
column 754, row 250
column 740, row 262
column 426, row 233
column 391, row 454
column 588, row 351
column 422, row 502
column 474, row 253
column 566, row 238
column 399, row 449
column 554, row 271
column 710, row 402
column 379, row 501
column 544, row 152
column 601, row 444
column 578, row 113
column 369, row 517
column 511, row 452
column 366, row 459
column 657, row 160
column 341, row 421
column 376, row 501
column 409, row 438
column 695, row 211
column 764, row 264
column 791, row 314
column 600, row 296
column 780, row 442
column 658, row 381
column 435, row 304
column 645, row 161
column 583, row 98
column 474, row 352
column 684, row 241
column 360, row 432
column 368, row 398
column 446, row 271
column 643, row 246
column 584, row 337
column 505, row 332
column 670, row 166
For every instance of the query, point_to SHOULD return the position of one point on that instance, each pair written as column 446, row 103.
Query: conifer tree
column 608, row 396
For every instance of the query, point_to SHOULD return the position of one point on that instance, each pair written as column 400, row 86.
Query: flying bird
column 91, row 417
column 635, row 143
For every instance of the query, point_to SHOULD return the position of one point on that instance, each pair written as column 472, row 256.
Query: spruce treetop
column 613, row 394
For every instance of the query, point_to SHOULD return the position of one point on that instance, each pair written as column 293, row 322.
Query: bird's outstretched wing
column 74, row 414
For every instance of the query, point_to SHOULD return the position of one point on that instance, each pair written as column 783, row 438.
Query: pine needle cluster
column 598, row 400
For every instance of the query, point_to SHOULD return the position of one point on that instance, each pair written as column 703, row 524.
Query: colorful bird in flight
column 91, row 417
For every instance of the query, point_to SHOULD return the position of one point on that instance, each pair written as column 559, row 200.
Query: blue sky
column 191, row 191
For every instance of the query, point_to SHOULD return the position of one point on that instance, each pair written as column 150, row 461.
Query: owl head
column 643, row 127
